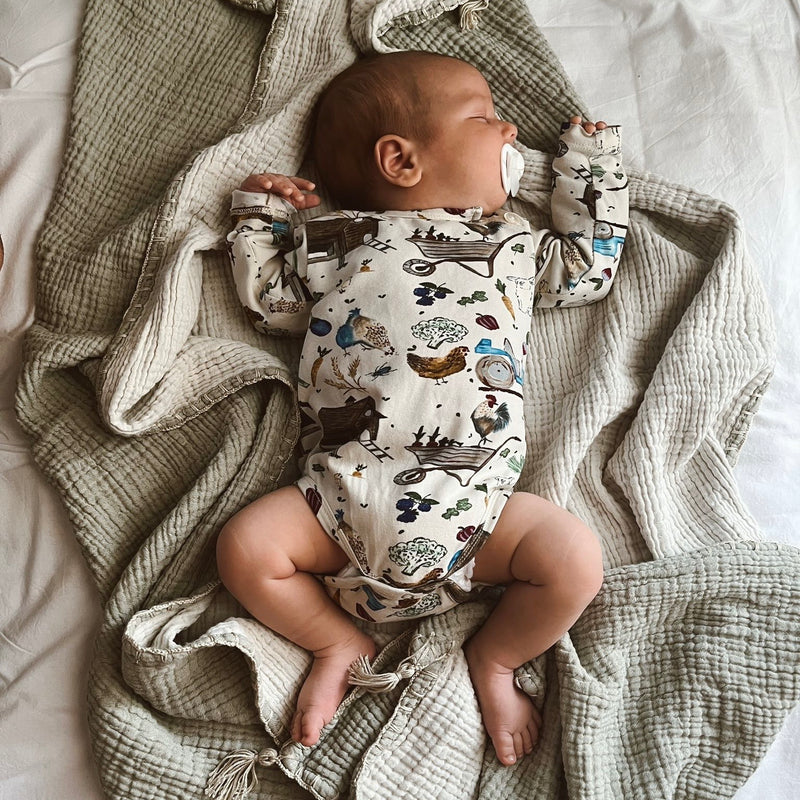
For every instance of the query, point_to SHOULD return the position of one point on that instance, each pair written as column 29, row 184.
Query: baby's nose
column 510, row 131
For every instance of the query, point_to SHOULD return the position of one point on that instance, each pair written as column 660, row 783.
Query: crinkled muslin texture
column 158, row 412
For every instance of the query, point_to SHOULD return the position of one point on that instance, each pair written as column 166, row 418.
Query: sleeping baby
column 415, row 306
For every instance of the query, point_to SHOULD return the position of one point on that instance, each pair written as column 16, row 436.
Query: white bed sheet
column 709, row 96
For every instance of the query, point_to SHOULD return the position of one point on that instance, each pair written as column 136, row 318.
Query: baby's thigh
column 536, row 541
column 279, row 532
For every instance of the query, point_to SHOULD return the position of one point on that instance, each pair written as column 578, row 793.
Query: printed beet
column 487, row 321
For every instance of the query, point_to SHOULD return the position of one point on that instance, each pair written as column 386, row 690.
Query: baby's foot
column 510, row 718
column 325, row 686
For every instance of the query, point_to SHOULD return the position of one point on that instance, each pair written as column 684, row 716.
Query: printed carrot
column 322, row 351
column 501, row 287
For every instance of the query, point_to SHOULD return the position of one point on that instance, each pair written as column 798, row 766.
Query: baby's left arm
column 578, row 261
column 263, row 246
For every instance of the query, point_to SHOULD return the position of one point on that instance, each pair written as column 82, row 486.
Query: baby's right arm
column 579, row 258
column 265, row 269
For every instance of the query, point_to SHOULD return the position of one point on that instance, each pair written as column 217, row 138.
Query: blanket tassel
column 362, row 674
column 235, row 776
column 468, row 19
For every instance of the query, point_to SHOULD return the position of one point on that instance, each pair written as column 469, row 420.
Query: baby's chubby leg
column 267, row 556
column 553, row 566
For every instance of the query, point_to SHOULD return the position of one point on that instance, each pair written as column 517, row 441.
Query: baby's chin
column 495, row 203
column 493, row 208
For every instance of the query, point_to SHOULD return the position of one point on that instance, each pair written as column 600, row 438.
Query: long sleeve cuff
column 257, row 203
column 607, row 142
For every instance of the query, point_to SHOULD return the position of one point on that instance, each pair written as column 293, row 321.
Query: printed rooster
column 364, row 331
column 489, row 417
column 439, row 367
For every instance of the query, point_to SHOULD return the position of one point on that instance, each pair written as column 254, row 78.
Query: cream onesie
column 411, row 377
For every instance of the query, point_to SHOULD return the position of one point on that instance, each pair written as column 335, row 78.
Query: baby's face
column 463, row 157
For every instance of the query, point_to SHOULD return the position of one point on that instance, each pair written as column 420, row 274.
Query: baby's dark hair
column 377, row 95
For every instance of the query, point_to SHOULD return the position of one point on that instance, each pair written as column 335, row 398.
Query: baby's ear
column 397, row 161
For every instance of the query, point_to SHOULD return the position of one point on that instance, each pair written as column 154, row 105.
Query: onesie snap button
column 511, row 217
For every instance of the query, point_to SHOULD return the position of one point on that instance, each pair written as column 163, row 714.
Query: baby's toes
column 534, row 724
column 505, row 748
column 527, row 741
column 306, row 727
column 313, row 723
column 533, row 733
column 297, row 726
column 519, row 744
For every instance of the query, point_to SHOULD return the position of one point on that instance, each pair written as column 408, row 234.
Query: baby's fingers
column 300, row 196
column 298, row 193
column 260, row 182
column 589, row 127
column 293, row 190
column 302, row 183
column 305, row 201
column 283, row 185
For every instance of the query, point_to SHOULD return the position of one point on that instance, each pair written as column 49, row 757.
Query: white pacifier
column 512, row 165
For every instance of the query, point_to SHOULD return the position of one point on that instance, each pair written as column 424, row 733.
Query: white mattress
column 709, row 96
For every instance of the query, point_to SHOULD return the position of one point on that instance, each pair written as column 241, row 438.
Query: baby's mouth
column 512, row 165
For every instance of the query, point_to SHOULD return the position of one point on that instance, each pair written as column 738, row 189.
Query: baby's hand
column 589, row 127
column 296, row 190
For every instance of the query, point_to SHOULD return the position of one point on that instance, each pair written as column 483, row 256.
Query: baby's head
column 411, row 130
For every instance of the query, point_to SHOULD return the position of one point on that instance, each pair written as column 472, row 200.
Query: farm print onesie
column 410, row 384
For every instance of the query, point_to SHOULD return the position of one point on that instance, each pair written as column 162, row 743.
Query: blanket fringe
column 362, row 674
column 235, row 776
column 468, row 19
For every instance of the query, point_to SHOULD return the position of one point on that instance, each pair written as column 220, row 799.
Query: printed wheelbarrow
column 438, row 251
column 451, row 459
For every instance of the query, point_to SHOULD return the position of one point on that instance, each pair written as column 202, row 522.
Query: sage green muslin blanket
column 158, row 412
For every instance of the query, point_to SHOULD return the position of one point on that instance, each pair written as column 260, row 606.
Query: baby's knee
column 585, row 564
column 244, row 556
column 569, row 562
column 231, row 559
